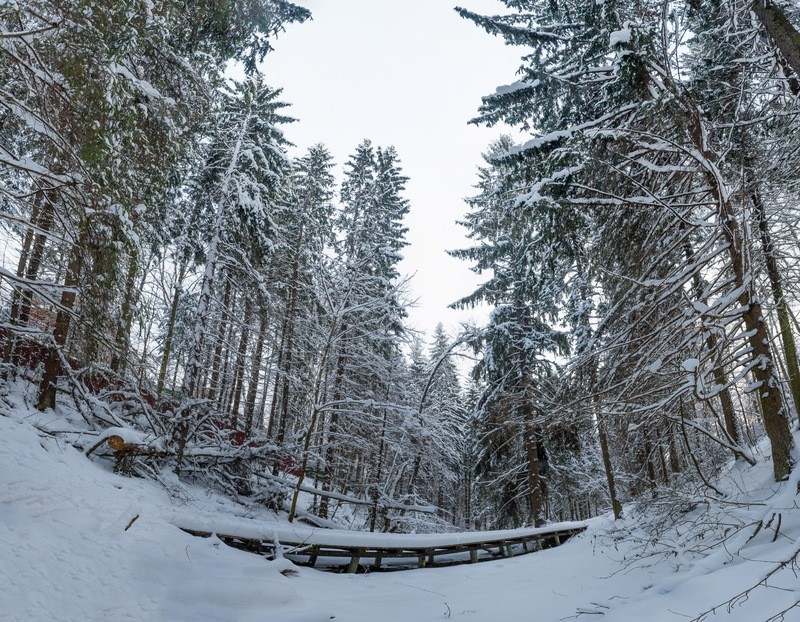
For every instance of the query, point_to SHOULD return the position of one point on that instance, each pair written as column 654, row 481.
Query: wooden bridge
column 351, row 551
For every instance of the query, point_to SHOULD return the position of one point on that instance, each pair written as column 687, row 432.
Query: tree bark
column 608, row 466
column 274, row 408
column 774, row 414
column 222, row 329
column 32, row 273
column 255, row 373
column 173, row 314
column 122, row 339
column 597, row 413
column 781, row 31
column 330, row 451
column 781, row 306
column 718, row 372
column 535, row 496
column 52, row 363
column 240, row 361
column 17, row 294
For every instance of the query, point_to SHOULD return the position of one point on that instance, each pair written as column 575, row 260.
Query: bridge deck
column 352, row 551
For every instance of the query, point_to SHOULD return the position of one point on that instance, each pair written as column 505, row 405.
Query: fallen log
column 124, row 451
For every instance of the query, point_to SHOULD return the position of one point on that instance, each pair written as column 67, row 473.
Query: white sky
column 408, row 73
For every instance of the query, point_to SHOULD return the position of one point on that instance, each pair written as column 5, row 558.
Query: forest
column 237, row 316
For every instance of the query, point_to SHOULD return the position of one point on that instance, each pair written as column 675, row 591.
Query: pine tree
column 239, row 183
column 516, row 341
column 610, row 145
column 364, row 324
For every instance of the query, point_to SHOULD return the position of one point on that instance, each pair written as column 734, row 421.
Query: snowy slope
column 65, row 554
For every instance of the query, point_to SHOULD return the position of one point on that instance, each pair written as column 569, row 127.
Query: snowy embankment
column 78, row 542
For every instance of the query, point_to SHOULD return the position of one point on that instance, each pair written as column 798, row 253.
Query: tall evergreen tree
column 609, row 145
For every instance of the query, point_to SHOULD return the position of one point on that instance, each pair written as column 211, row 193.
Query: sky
column 411, row 74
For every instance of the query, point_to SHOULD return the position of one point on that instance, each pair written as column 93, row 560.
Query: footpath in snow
column 70, row 550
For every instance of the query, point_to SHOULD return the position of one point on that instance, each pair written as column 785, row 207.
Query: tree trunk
column 173, row 313
column 222, row 329
column 379, row 476
column 381, row 449
column 535, row 496
column 781, row 306
column 52, row 363
column 240, row 362
column 330, row 451
column 608, row 467
column 35, row 262
column 776, row 422
column 718, row 372
column 286, row 382
column 650, row 468
column 24, row 254
column 781, row 31
column 31, row 274
column 774, row 414
column 316, row 415
column 255, row 373
column 674, row 460
column 593, row 363
column 275, row 404
column 122, row 339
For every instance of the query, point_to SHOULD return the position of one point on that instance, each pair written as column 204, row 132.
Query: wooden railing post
column 353, row 567
column 312, row 559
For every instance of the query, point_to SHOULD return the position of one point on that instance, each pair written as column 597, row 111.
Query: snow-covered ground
column 70, row 551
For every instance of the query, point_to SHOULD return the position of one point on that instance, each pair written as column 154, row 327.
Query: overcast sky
column 408, row 73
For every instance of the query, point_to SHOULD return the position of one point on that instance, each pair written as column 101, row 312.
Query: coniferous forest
column 237, row 316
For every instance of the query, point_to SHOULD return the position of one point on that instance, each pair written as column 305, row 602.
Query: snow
column 71, row 550
column 690, row 365
column 133, row 437
column 620, row 36
column 655, row 365
column 142, row 85
column 309, row 536
column 547, row 139
column 515, row 87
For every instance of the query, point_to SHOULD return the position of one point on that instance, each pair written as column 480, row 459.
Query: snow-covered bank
column 70, row 549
